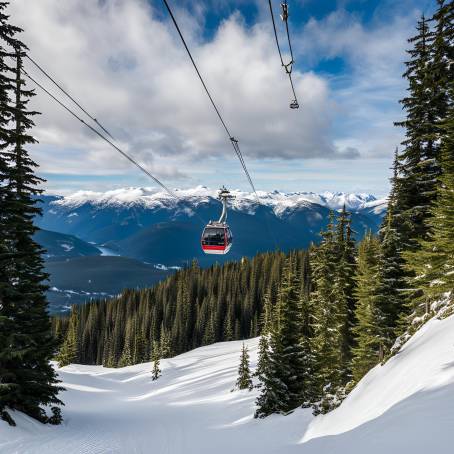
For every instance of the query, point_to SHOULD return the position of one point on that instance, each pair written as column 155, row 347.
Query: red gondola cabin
column 216, row 238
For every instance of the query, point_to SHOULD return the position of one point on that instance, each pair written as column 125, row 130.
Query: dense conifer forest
column 193, row 307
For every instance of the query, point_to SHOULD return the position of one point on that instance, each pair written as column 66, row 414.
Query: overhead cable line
column 102, row 136
column 113, row 145
column 287, row 66
column 69, row 96
column 232, row 139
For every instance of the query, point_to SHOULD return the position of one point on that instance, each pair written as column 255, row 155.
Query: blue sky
column 123, row 61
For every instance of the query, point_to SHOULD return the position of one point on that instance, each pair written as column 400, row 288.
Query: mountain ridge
column 151, row 227
column 278, row 200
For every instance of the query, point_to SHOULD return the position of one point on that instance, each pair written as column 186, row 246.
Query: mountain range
column 133, row 228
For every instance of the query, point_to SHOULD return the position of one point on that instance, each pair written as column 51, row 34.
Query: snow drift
column 405, row 406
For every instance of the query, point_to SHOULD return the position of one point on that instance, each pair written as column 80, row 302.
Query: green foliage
column 266, row 324
column 433, row 264
column 194, row 307
column 244, row 380
column 333, row 301
column 126, row 358
column 391, row 278
column 69, row 350
column 370, row 330
column 283, row 362
column 28, row 382
column 416, row 189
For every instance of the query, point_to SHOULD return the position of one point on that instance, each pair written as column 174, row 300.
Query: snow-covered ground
column 106, row 252
column 405, row 406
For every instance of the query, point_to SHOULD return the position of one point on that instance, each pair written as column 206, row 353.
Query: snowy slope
column 406, row 406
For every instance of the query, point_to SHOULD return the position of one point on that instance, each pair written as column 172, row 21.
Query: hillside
column 404, row 406
column 79, row 279
column 193, row 307
column 60, row 246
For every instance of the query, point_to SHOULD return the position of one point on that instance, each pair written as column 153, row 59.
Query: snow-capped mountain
column 151, row 227
column 155, row 227
column 243, row 201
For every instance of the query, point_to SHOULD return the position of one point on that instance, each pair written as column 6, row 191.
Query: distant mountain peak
column 278, row 200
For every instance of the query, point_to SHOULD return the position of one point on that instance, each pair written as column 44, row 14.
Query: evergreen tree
column 228, row 330
column 209, row 336
column 370, row 331
column 109, row 359
column 263, row 350
column 244, row 380
column 344, row 289
column 433, row 264
column 328, row 321
column 165, row 343
column 441, row 63
column 69, row 350
column 139, row 346
column 391, row 279
column 126, row 358
column 274, row 393
column 309, row 392
column 28, row 379
column 254, row 329
column 419, row 162
column 7, row 328
column 156, row 356
column 283, row 386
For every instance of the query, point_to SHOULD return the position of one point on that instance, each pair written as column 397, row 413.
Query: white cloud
column 130, row 70
column 368, row 91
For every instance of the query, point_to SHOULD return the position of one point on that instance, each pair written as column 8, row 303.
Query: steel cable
column 233, row 141
column 289, row 66
column 69, row 96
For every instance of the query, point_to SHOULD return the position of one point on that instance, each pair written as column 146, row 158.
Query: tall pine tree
column 391, row 278
column 283, row 386
column 32, row 382
column 344, row 288
column 330, row 319
column 262, row 370
column 370, row 330
column 433, row 264
column 419, row 162
column 156, row 358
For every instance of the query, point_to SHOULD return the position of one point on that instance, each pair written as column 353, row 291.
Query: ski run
column 402, row 407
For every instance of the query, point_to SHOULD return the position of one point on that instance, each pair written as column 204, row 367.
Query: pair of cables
column 233, row 141
column 105, row 135
column 109, row 140
column 101, row 134
column 287, row 66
